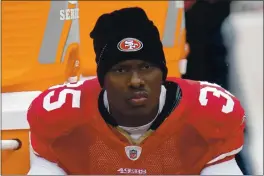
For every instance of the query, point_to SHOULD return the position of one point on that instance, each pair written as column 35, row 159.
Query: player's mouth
column 138, row 98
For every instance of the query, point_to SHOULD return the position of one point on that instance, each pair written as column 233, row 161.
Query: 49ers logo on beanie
column 130, row 45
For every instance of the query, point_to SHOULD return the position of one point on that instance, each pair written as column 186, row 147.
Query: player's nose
column 135, row 81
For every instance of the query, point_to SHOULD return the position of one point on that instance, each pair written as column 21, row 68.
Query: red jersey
column 68, row 127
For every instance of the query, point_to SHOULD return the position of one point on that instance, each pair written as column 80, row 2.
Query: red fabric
column 188, row 4
column 80, row 141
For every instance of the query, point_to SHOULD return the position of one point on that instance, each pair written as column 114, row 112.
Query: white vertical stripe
column 222, row 156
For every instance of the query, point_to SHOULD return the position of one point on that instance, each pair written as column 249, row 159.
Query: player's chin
column 138, row 110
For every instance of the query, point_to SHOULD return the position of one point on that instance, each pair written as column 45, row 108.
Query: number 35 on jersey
column 217, row 91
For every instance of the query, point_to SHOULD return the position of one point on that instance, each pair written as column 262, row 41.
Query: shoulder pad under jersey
column 58, row 110
column 215, row 111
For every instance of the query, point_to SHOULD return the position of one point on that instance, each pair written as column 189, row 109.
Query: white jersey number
column 76, row 96
column 214, row 88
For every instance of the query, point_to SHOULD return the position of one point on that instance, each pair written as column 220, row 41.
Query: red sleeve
column 54, row 113
column 42, row 148
column 220, row 119
column 232, row 142
column 189, row 4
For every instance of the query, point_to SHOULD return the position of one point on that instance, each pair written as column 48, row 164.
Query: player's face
column 133, row 88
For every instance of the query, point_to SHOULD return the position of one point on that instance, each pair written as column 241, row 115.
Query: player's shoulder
column 211, row 105
column 209, row 97
column 216, row 100
column 60, row 104
column 185, row 84
column 215, row 110
column 65, row 95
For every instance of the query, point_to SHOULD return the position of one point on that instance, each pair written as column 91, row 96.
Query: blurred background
column 219, row 41
column 243, row 33
column 226, row 47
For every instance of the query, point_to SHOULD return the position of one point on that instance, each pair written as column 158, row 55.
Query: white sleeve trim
column 225, row 168
column 41, row 166
column 222, row 156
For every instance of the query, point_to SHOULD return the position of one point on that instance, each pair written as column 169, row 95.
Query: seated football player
column 132, row 119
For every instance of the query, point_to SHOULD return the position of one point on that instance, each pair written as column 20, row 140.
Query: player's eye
column 146, row 66
column 118, row 70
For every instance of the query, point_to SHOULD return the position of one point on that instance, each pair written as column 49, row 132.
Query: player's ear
column 163, row 82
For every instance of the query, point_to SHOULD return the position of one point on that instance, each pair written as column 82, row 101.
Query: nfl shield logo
column 133, row 152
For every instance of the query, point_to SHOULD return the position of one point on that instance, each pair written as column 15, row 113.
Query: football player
column 132, row 119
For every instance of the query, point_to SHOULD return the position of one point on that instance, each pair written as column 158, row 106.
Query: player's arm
column 222, row 126
column 56, row 111
column 52, row 114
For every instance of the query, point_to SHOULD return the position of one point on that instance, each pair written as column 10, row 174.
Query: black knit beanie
column 126, row 34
